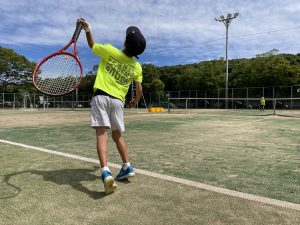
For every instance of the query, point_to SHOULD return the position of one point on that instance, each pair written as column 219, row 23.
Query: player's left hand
column 85, row 25
column 133, row 103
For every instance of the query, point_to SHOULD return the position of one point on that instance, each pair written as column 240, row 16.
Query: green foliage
column 15, row 72
column 269, row 53
column 266, row 69
column 156, row 85
column 150, row 77
column 86, row 85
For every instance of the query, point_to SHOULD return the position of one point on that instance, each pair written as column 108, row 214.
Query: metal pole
column 186, row 105
column 14, row 101
column 226, row 82
column 205, row 100
column 226, row 21
column 196, row 98
column 76, row 99
column 218, row 98
column 232, row 98
column 247, row 98
column 291, row 97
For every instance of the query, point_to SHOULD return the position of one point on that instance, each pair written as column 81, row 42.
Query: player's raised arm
column 89, row 37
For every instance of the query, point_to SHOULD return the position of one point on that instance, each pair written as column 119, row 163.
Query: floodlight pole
column 226, row 21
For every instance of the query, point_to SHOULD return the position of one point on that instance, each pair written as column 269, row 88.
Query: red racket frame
column 63, row 52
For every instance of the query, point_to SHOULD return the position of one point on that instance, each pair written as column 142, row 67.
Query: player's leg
column 100, row 121
column 117, row 126
column 121, row 145
column 101, row 133
column 126, row 170
column 107, row 178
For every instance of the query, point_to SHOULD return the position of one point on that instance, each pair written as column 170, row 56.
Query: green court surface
column 40, row 188
column 253, row 154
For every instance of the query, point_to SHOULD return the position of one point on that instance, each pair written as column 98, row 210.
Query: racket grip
column 77, row 31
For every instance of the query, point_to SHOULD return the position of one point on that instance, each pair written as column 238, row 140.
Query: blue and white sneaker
column 108, row 182
column 125, row 174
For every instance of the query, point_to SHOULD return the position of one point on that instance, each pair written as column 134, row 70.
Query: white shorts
column 107, row 112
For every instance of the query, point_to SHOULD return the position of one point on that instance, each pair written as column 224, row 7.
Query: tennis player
column 262, row 104
column 116, row 71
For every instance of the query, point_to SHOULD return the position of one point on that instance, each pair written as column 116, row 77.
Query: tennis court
column 205, row 167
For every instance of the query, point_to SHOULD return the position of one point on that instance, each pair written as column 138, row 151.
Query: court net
column 248, row 106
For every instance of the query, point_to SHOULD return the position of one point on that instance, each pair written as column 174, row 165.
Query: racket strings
column 58, row 74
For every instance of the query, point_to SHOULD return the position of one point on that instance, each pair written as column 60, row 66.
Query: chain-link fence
column 36, row 101
column 150, row 99
column 160, row 99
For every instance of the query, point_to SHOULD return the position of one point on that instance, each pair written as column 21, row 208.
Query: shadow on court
column 70, row 177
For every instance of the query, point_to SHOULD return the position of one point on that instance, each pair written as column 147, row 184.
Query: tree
column 15, row 71
column 86, row 85
column 274, row 51
column 150, row 72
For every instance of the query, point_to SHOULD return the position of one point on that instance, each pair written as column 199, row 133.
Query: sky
column 177, row 31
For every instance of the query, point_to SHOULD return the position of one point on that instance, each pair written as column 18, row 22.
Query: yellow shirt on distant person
column 116, row 71
column 262, row 102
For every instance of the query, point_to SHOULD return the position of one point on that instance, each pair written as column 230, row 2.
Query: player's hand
column 85, row 25
column 133, row 103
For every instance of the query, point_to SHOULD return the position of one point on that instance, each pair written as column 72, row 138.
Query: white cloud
column 177, row 28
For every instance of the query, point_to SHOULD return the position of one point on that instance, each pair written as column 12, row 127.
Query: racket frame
column 63, row 52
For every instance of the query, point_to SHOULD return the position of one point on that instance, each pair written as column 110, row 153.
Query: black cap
column 135, row 41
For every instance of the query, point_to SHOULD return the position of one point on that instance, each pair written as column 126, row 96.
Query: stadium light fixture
column 226, row 21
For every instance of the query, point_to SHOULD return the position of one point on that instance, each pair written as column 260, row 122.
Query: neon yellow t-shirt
column 262, row 102
column 116, row 71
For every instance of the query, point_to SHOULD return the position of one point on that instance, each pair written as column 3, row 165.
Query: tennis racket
column 61, row 72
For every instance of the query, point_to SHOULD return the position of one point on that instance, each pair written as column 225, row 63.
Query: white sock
column 125, row 165
column 105, row 168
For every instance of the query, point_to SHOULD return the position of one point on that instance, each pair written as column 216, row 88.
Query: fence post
column 158, row 99
column 291, row 97
column 14, row 105
column 247, row 98
column 197, row 99
column 218, row 98
column 231, row 98
column 186, row 105
column 205, row 99
column 34, row 100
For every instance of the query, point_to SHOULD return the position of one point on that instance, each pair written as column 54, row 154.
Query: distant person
column 115, row 74
column 262, row 104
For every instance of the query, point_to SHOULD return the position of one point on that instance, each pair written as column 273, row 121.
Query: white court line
column 207, row 187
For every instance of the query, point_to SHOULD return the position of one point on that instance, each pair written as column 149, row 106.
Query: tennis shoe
column 108, row 182
column 125, row 174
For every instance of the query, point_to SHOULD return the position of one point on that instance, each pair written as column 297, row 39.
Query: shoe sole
column 126, row 176
column 109, row 185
